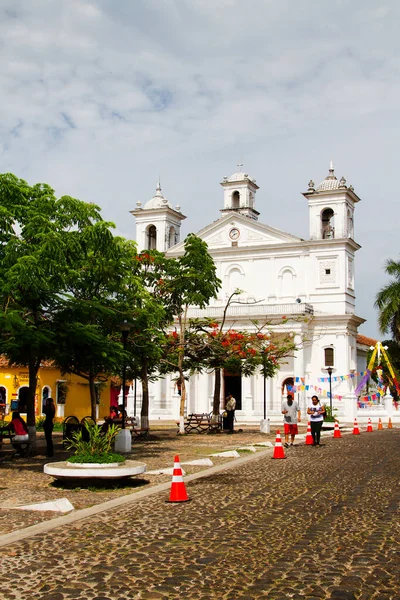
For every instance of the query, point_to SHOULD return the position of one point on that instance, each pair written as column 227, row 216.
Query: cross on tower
column 240, row 165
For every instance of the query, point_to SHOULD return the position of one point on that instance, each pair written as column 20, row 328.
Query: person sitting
column 19, row 427
column 122, row 411
column 113, row 413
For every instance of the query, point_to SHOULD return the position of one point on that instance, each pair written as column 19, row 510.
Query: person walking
column 230, row 405
column 48, row 425
column 316, row 412
column 291, row 416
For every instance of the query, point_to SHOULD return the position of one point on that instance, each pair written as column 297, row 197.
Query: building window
column 327, row 271
column 61, row 392
column 45, row 395
column 327, row 222
column 152, row 238
column 287, row 385
column 329, row 357
column 236, row 200
column 172, row 237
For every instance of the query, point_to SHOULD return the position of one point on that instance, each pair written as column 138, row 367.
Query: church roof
column 331, row 182
column 158, row 200
column 238, row 176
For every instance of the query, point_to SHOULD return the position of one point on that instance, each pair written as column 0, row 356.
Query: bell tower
column 239, row 194
column 331, row 208
column 158, row 225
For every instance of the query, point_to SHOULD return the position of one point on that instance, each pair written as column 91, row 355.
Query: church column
column 247, row 397
column 202, row 402
column 298, row 369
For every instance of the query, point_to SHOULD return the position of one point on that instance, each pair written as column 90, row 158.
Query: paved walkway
column 322, row 524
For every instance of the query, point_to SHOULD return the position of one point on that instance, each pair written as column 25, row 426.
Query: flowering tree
column 214, row 349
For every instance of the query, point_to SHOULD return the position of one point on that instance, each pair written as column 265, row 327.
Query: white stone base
column 65, row 470
column 265, row 426
column 123, row 441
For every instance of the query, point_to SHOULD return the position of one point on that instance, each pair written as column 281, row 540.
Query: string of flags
column 321, row 392
column 324, row 393
column 335, row 378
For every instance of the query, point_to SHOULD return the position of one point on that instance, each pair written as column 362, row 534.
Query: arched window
column 328, row 224
column 236, row 200
column 288, row 383
column 152, row 238
column 45, row 394
column 350, row 232
column 23, row 398
column 329, row 356
column 172, row 237
column 287, row 280
column 3, row 399
column 61, row 392
column 235, row 279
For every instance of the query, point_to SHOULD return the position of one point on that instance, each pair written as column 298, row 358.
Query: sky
column 101, row 98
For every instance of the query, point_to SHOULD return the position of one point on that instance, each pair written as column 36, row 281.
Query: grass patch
column 97, row 458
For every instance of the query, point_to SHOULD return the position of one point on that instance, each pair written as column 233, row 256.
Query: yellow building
column 70, row 392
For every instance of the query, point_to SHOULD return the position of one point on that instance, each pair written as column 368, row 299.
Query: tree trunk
column 93, row 403
column 182, row 403
column 217, row 391
column 33, row 368
column 144, row 413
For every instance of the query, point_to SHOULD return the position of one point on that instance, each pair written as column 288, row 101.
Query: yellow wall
column 77, row 400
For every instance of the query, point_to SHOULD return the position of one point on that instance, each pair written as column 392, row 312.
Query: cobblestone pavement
column 23, row 480
column 322, row 524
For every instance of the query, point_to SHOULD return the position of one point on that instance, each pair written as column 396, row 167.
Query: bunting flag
column 321, row 392
column 342, row 377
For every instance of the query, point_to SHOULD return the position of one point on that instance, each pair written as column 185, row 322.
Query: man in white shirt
column 291, row 416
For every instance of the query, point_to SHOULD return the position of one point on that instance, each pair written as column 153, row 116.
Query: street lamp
column 125, row 328
column 329, row 369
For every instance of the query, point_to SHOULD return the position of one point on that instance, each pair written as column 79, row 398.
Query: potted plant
column 330, row 417
column 96, row 448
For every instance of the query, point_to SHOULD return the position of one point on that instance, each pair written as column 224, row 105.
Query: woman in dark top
column 49, row 411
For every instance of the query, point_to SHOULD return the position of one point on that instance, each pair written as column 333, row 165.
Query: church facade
column 304, row 287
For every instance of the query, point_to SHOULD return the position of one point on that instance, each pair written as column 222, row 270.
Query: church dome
column 330, row 182
column 158, row 201
column 238, row 176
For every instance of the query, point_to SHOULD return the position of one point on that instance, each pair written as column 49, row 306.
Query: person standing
column 316, row 412
column 49, row 411
column 230, row 405
column 291, row 416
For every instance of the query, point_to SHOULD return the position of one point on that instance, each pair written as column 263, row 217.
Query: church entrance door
column 233, row 385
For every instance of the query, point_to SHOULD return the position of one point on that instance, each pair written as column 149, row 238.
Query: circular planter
column 93, row 465
column 66, row 470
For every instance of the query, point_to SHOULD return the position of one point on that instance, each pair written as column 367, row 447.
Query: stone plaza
column 324, row 523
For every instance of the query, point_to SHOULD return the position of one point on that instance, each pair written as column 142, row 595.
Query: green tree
column 41, row 237
column 189, row 280
column 89, row 340
column 388, row 302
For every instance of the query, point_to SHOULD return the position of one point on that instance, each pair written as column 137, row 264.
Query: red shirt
column 18, row 426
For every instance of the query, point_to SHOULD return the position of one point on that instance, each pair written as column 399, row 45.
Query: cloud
column 100, row 97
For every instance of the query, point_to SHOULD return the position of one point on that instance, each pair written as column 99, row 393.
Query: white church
column 310, row 282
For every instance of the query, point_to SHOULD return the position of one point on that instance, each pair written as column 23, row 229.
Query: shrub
column 97, row 448
column 39, row 423
column 330, row 416
column 97, row 458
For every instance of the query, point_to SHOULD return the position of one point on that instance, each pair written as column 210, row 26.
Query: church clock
column 234, row 234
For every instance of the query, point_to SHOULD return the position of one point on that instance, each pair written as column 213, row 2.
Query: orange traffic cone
column 356, row 431
column 336, row 431
column 178, row 490
column 309, row 437
column 390, row 426
column 369, row 426
column 380, row 426
column 278, row 450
